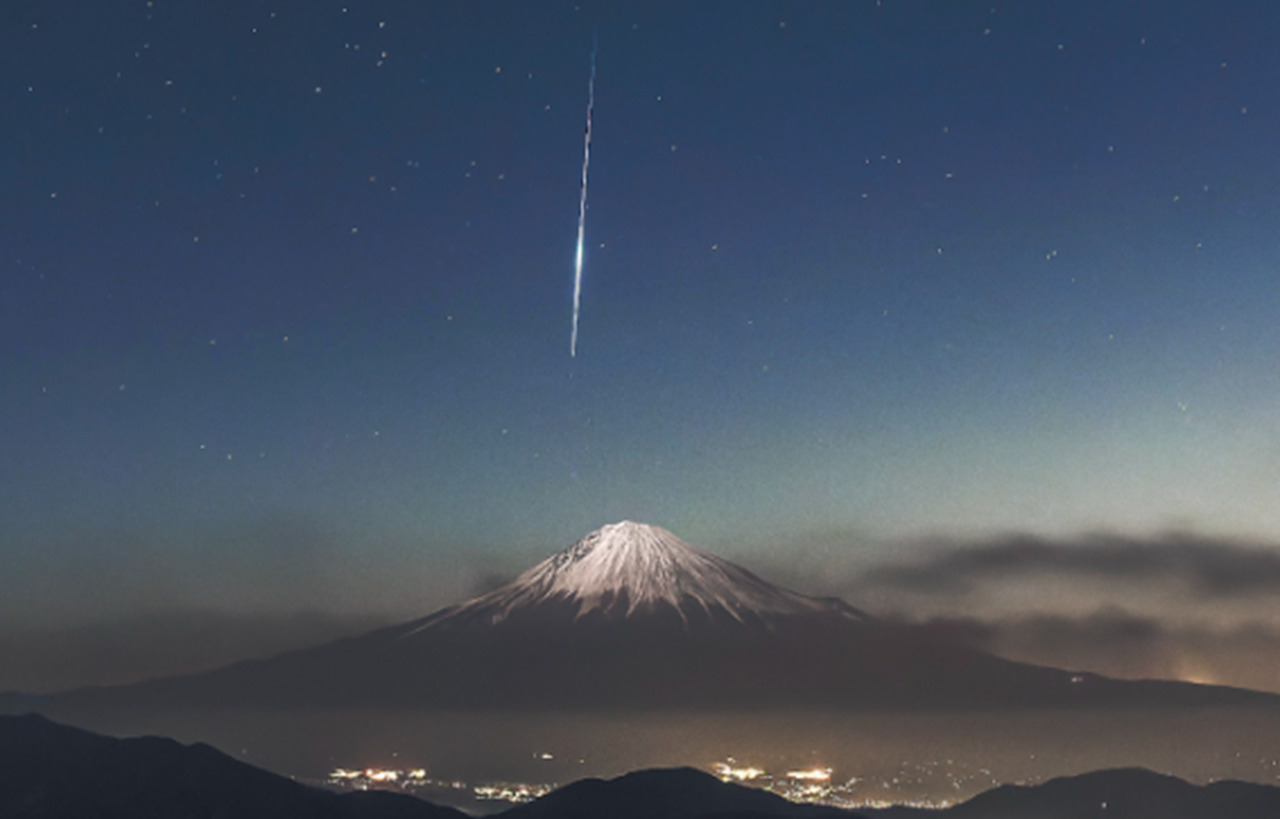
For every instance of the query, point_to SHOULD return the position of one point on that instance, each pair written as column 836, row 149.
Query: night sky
column 285, row 300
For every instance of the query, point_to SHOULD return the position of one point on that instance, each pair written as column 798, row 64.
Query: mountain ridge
column 1118, row 793
column 54, row 771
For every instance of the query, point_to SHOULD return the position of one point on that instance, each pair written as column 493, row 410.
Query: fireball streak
column 582, row 203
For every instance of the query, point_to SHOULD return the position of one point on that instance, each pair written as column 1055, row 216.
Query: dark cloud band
column 1120, row 643
column 1208, row 567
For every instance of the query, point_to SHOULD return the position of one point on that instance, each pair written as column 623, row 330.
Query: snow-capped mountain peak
column 630, row 567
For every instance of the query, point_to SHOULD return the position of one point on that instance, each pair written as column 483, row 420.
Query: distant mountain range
column 632, row 617
column 51, row 771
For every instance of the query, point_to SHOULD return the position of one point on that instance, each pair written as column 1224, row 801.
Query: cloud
column 1173, row 605
column 1119, row 643
column 1209, row 568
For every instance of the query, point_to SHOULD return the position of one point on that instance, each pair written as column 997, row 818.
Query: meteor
column 582, row 203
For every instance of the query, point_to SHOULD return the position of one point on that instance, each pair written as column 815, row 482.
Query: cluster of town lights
column 731, row 771
column 398, row 779
column 814, row 785
column 379, row 775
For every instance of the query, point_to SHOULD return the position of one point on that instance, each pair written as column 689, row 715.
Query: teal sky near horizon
column 287, row 285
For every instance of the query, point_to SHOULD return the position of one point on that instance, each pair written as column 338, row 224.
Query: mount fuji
column 634, row 572
column 631, row 617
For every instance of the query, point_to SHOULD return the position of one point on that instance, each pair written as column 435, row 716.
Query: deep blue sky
column 285, row 286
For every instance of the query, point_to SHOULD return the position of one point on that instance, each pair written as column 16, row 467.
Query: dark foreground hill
column 52, row 771
column 1131, row 793
column 673, row 793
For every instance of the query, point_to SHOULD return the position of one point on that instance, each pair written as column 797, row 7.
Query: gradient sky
column 286, row 289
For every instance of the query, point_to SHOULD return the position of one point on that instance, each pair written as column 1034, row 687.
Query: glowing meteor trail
column 582, row 203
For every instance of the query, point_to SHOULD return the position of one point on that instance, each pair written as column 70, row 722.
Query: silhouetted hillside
column 675, row 793
column 1130, row 793
column 51, row 771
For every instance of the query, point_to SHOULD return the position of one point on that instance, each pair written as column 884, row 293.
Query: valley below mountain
column 51, row 771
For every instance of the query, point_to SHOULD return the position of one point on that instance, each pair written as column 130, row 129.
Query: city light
column 933, row 784
column 729, row 770
column 416, row 779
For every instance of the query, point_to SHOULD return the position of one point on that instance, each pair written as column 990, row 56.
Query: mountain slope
column 51, row 771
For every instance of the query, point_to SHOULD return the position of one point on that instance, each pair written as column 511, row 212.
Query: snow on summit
column 627, row 567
